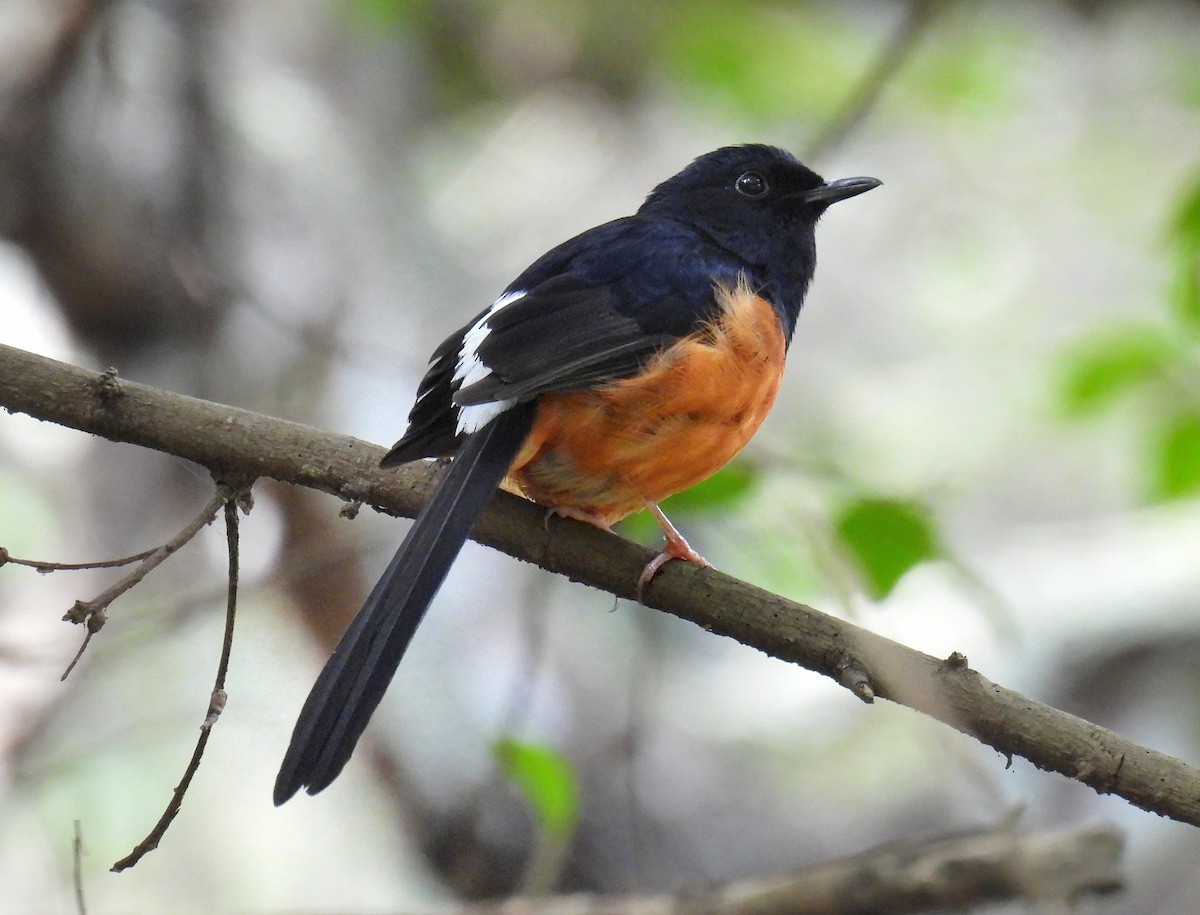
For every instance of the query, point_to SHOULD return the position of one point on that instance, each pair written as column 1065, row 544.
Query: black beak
column 841, row 189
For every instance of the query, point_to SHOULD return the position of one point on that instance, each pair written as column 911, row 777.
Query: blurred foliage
column 382, row 15
column 1185, row 242
column 763, row 60
column 760, row 59
column 1154, row 362
column 1113, row 360
column 885, row 538
column 972, row 73
column 1177, row 457
column 546, row 781
column 480, row 50
column 726, row 490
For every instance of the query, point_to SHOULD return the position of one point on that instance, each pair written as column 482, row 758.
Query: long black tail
column 364, row 662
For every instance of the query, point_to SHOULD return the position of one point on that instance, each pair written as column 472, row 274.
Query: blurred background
column 988, row 438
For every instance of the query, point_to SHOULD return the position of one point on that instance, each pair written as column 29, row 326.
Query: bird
column 624, row 365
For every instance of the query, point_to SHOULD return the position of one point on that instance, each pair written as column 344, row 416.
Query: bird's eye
column 751, row 184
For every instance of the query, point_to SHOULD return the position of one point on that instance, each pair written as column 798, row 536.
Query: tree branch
column 243, row 444
column 899, row 879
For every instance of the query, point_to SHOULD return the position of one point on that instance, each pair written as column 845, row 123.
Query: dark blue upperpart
column 657, row 273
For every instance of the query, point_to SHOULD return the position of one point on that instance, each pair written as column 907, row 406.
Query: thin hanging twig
column 216, row 701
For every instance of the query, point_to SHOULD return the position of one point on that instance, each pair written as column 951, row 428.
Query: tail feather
column 358, row 672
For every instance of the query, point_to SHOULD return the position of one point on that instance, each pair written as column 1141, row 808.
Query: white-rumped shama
column 623, row 366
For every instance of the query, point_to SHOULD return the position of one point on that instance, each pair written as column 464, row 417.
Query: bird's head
column 757, row 201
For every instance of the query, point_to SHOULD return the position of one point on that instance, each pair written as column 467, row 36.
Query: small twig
column 852, row 675
column 77, row 869
column 218, row 697
column 858, row 105
column 94, row 623
column 93, row 613
column 231, row 538
column 46, row 568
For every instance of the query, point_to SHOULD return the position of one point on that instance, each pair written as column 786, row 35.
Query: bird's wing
column 592, row 310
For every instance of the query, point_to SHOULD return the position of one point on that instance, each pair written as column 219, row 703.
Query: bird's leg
column 674, row 547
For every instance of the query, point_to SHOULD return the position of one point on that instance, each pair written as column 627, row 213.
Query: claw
column 674, row 547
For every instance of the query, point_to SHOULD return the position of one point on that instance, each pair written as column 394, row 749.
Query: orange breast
column 608, row 451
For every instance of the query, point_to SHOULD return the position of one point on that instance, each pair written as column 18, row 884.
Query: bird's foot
column 674, row 547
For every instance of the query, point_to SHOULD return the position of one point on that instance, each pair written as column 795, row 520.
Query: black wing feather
column 594, row 309
column 431, row 422
column 570, row 338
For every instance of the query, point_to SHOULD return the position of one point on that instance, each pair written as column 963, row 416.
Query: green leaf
column 1185, row 290
column 1107, row 365
column 1187, row 218
column 547, row 781
column 1185, row 237
column 886, row 538
column 724, row 489
column 1178, row 458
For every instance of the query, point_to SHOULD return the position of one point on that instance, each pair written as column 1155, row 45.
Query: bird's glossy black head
column 762, row 205
column 750, row 198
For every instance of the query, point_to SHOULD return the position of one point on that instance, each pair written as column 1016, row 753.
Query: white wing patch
column 470, row 369
column 476, row 416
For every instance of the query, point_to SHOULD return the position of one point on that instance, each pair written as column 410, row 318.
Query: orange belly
column 607, row 452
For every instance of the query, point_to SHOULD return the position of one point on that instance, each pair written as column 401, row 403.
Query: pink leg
column 674, row 547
